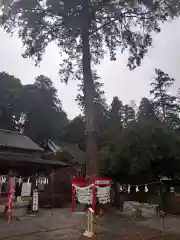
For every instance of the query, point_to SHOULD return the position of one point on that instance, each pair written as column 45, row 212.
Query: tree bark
column 91, row 144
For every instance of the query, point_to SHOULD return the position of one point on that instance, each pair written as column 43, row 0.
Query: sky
column 117, row 78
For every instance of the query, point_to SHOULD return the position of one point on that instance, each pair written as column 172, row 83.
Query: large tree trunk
column 91, row 145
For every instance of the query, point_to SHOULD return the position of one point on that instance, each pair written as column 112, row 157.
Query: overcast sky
column 117, row 79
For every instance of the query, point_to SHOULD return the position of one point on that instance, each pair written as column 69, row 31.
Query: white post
column 89, row 232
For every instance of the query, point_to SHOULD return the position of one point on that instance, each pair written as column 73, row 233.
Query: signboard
column 35, row 200
column 102, row 182
column 26, row 189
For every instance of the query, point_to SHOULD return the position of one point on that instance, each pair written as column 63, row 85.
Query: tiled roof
column 28, row 159
column 14, row 139
column 77, row 154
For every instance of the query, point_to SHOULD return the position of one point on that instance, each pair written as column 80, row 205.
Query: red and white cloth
column 11, row 195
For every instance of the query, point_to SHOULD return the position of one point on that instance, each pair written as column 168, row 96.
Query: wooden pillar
column 73, row 198
column 11, row 195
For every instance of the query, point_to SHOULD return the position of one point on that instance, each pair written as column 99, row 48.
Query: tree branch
column 102, row 26
column 122, row 16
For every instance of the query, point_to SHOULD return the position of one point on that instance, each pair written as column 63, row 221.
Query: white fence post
column 89, row 232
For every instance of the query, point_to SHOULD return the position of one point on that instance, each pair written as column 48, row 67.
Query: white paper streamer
column 120, row 188
column 3, row 179
column 137, row 189
column 103, row 194
column 19, row 180
column 44, row 182
column 84, row 194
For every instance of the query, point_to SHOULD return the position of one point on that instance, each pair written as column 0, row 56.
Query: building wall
column 58, row 192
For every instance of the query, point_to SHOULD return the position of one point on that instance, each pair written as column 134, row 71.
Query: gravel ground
column 117, row 227
column 69, row 226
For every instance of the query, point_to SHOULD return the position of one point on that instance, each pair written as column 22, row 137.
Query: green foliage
column 147, row 147
column 33, row 109
column 74, row 131
column 43, row 115
column 112, row 24
column 116, row 112
column 10, row 89
column 128, row 115
column 146, row 110
column 119, row 117
column 166, row 105
column 45, row 87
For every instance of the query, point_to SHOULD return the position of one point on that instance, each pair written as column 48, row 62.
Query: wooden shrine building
column 25, row 158
column 19, row 153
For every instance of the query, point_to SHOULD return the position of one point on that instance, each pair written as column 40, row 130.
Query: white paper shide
column 84, row 194
column 103, row 194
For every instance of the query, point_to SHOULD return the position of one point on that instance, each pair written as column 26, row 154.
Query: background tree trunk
column 91, row 144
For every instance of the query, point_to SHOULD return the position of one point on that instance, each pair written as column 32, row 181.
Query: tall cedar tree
column 128, row 115
column 84, row 30
column 115, row 120
column 42, row 115
column 146, row 110
column 165, row 104
column 116, row 112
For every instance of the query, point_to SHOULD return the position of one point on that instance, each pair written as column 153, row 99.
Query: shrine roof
column 77, row 154
column 16, row 140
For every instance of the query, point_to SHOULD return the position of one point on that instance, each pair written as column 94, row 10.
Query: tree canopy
column 10, row 90
column 166, row 105
column 148, row 146
column 34, row 109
